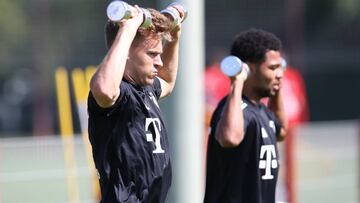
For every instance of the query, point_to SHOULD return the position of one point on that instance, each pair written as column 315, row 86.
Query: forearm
column 230, row 129
column 106, row 81
column 170, row 59
column 276, row 105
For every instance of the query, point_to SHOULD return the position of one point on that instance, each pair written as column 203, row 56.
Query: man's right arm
column 230, row 128
column 105, row 83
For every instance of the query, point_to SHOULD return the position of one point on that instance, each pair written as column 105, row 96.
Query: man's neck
column 129, row 79
column 249, row 92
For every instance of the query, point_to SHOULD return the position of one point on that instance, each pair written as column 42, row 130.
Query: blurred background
column 38, row 38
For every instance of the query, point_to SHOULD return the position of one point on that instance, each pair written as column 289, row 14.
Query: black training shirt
column 130, row 146
column 246, row 173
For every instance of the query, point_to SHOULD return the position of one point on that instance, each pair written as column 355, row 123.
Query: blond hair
column 160, row 27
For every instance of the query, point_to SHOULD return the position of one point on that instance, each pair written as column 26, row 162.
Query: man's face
column 144, row 60
column 268, row 75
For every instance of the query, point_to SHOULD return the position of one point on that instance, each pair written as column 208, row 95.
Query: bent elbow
column 170, row 90
column 105, row 97
column 231, row 140
column 166, row 89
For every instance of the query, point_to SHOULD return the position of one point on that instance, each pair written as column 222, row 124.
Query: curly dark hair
column 251, row 45
column 161, row 27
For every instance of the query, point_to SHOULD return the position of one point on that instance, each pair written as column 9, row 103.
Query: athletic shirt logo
column 155, row 122
column 268, row 155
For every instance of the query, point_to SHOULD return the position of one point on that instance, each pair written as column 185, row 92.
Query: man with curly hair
column 242, row 157
column 126, row 129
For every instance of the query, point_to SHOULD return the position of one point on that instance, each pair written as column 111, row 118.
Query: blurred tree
column 60, row 36
column 40, row 36
column 13, row 32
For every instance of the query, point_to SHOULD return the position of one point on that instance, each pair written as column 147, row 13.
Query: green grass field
column 327, row 158
column 34, row 170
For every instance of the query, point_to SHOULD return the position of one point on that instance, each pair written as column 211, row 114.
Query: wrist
column 237, row 79
column 237, row 85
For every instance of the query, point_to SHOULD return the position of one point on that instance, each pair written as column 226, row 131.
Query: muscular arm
column 105, row 83
column 276, row 105
column 170, row 57
column 230, row 129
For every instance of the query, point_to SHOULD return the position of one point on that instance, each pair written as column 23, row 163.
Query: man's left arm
column 276, row 105
column 170, row 57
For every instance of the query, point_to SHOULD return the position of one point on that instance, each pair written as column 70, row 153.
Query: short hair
column 251, row 45
column 159, row 28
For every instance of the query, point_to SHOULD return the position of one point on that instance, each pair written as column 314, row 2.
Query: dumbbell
column 232, row 65
column 174, row 11
column 118, row 10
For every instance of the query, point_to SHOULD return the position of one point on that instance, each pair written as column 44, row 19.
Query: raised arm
column 170, row 58
column 276, row 105
column 230, row 129
column 105, row 83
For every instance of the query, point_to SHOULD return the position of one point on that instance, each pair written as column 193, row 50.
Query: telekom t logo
column 149, row 136
column 267, row 152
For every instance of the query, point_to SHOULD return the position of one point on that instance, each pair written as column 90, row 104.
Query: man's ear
column 252, row 66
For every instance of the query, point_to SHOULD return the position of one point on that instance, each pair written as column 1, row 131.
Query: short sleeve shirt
column 130, row 145
column 248, row 172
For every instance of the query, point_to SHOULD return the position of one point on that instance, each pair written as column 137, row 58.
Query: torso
column 130, row 145
column 248, row 172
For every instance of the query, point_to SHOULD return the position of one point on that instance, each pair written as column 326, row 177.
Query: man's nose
column 279, row 73
column 158, row 61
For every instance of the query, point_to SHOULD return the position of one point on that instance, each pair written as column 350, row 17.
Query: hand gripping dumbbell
column 177, row 12
column 232, row 65
column 118, row 10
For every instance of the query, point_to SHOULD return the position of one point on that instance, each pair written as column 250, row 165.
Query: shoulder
column 249, row 109
column 126, row 90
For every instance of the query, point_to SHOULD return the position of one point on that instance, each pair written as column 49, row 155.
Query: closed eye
column 153, row 54
column 274, row 67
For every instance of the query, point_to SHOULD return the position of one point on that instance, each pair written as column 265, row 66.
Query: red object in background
column 295, row 100
column 217, row 85
column 296, row 108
